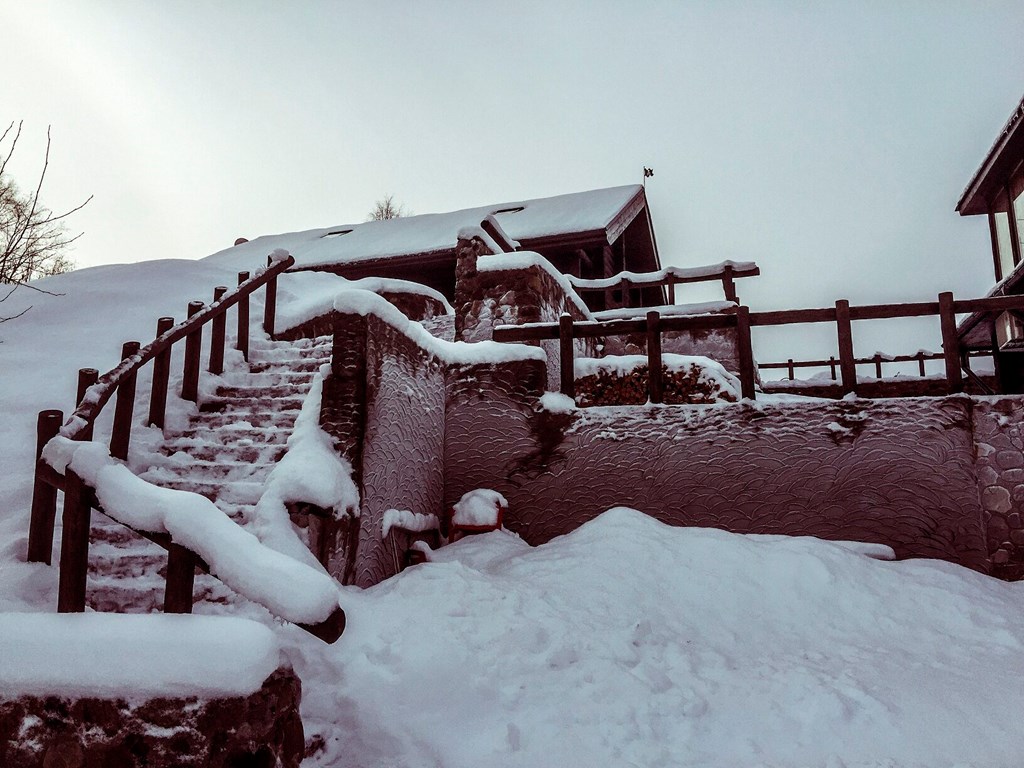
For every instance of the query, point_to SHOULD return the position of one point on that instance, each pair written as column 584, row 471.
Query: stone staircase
column 225, row 455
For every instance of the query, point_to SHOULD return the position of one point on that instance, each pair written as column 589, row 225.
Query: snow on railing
column 726, row 271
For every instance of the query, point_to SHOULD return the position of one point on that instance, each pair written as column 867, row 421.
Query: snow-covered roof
column 525, row 220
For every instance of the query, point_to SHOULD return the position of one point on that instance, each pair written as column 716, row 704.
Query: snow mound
column 629, row 642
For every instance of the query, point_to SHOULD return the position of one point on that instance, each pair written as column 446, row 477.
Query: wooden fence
column 743, row 320
column 94, row 392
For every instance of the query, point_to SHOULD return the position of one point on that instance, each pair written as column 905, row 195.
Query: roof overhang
column 1001, row 160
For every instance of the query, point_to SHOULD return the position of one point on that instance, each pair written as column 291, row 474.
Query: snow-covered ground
column 625, row 643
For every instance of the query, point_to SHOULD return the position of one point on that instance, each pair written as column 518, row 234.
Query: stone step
column 263, row 420
column 208, row 471
column 146, row 595
column 257, row 403
column 269, row 378
column 261, row 453
column 199, row 436
column 127, row 564
column 259, row 391
column 300, row 365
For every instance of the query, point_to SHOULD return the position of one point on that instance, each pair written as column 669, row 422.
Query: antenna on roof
column 648, row 172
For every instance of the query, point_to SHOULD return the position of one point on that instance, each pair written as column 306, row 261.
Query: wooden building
column 997, row 191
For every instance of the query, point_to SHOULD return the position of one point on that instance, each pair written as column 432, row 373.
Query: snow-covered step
column 256, row 403
column 201, row 435
column 257, row 390
column 146, row 594
column 238, row 492
column 208, row 471
column 263, row 420
column 261, row 453
column 271, row 377
column 300, row 365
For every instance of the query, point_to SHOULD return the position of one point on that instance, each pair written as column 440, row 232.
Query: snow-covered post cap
column 278, row 255
column 479, row 510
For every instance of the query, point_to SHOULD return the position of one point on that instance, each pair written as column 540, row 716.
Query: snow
column 417, row 522
column 623, row 365
column 563, row 214
column 709, row 271
column 524, row 260
column 480, row 508
column 358, row 302
column 556, row 402
column 133, row 656
column 287, row 587
column 311, row 472
column 304, row 296
column 629, row 642
column 699, row 308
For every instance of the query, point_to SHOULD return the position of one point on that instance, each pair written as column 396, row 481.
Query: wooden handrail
column 666, row 276
column 93, row 393
column 100, row 393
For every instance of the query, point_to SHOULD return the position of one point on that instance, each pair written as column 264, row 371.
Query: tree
column 33, row 239
column 386, row 208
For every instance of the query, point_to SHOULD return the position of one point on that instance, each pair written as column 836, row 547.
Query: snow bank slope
column 629, row 642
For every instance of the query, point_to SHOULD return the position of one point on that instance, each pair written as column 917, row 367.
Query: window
column 1017, row 192
column 1001, row 226
column 1009, row 331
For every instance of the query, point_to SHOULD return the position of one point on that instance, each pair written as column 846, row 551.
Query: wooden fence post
column 791, row 369
column 242, row 340
column 121, row 432
column 729, row 285
column 217, row 332
column 950, row 344
column 878, row 365
column 671, row 284
column 745, row 351
column 654, row 381
column 270, row 303
column 832, row 366
column 920, row 362
column 193, row 349
column 74, row 546
column 86, row 378
column 161, row 374
column 566, row 363
column 44, row 495
column 847, row 364
column 181, row 575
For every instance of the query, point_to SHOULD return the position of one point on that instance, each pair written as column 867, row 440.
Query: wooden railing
column 669, row 278
column 94, row 392
column 877, row 360
column 743, row 320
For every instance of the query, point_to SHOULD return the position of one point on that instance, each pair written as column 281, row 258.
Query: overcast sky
column 829, row 142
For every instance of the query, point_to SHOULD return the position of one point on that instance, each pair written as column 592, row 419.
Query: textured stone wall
column 894, row 472
column 999, row 439
column 403, row 446
column 263, row 730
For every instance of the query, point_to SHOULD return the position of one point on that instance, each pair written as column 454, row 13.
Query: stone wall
column 999, row 440
column 258, row 731
column 487, row 299
column 403, row 447
column 893, row 472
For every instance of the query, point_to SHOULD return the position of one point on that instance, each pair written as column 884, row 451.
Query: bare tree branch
column 33, row 238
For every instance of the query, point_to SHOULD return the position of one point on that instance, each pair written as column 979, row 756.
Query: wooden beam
column 655, row 386
column 847, row 364
column 566, row 362
column 950, row 344
column 746, row 353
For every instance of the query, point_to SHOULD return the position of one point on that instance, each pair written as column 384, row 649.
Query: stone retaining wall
column 263, row 730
